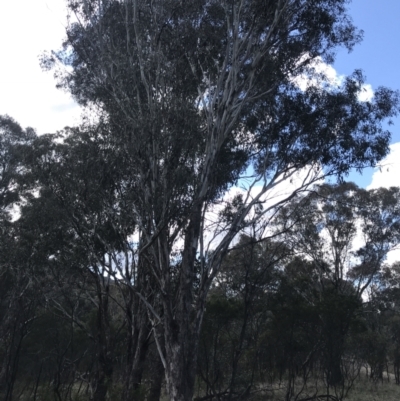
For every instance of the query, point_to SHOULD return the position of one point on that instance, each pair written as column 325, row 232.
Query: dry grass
column 365, row 390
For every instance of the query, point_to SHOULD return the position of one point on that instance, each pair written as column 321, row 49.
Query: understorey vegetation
column 183, row 242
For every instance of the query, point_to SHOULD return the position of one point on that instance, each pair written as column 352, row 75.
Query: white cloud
column 328, row 77
column 388, row 171
column 27, row 29
column 366, row 93
column 393, row 256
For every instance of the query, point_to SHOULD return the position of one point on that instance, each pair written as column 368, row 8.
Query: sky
column 378, row 57
column 30, row 27
column 27, row 29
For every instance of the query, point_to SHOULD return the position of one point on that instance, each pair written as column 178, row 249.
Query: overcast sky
column 29, row 27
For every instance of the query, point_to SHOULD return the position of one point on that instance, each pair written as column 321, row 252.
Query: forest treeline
column 305, row 308
column 178, row 237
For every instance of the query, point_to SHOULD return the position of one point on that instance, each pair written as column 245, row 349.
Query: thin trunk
column 140, row 356
column 157, row 374
column 238, row 352
column 17, row 333
column 138, row 345
column 138, row 319
column 334, row 363
column 103, row 375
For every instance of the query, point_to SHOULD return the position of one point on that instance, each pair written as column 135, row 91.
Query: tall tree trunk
column 182, row 320
column 181, row 362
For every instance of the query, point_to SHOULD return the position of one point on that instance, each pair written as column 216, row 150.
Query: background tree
column 18, row 300
column 383, row 324
column 324, row 228
column 84, row 200
column 238, row 309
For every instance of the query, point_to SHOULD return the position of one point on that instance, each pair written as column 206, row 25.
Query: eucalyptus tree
column 82, row 215
column 346, row 233
column 18, row 300
column 197, row 96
